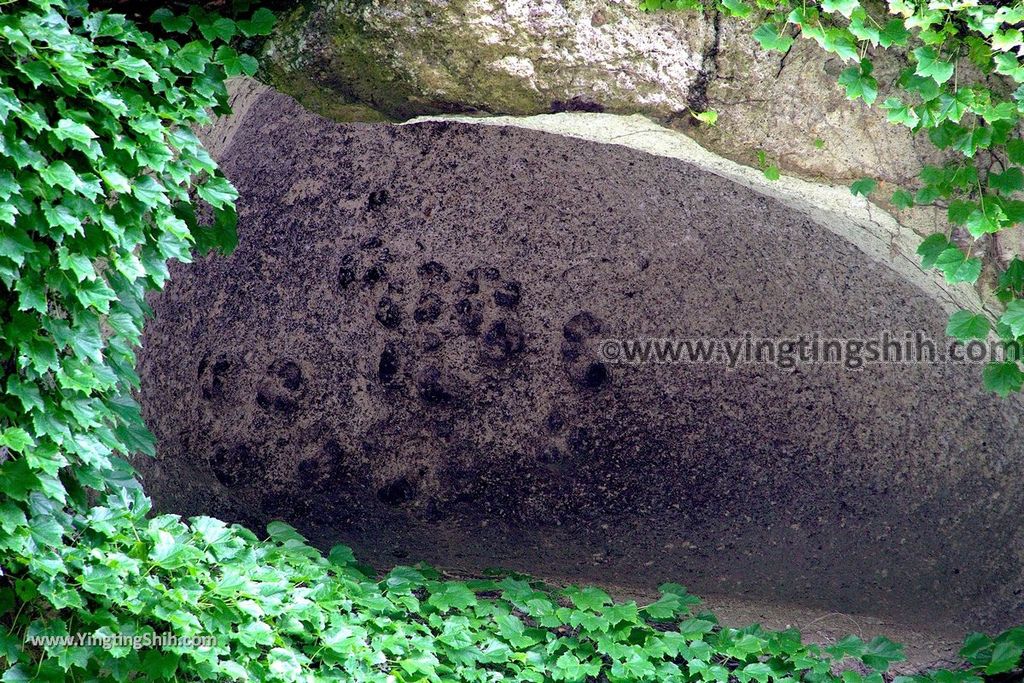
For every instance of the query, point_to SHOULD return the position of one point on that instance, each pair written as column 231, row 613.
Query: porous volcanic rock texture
column 404, row 355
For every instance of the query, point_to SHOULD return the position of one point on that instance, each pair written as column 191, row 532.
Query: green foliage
column 281, row 611
column 770, row 38
column 102, row 181
column 709, row 117
column 965, row 325
column 963, row 87
column 859, row 82
column 770, row 170
column 863, row 187
column 901, row 199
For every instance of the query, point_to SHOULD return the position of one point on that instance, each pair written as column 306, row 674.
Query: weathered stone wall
column 403, row 354
column 402, row 59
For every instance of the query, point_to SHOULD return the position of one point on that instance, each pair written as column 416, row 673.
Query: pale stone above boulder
column 517, row 57
column 357, row 60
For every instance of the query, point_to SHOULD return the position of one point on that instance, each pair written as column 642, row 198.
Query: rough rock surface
column 403, row 355
column 791, row 107
column 374, row 60
column 513, row 57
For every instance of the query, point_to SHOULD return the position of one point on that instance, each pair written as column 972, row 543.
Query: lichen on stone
column 497, row 57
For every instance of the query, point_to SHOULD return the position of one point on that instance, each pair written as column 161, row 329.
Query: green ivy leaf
column 95, row 294
column 17, row 439
column 1008, row 182
column 953, row 106
column 31, row 293
column 60, row 174
column 862, row 30
column 893, row 33
column 1003, row 377
column 11, row 517
column 47, row 532
column 957, row 267
column 966, row 325
column 234, row 63
column 899, row 113
column 17, row 674
column 758, row 671
column 342, row 556
column 193, row 57
column 773, row 38
column 931, row 65
column 167, row 551
column 220, row 29
column 281, row 532
column 452, row 595
column 15, row 244
column 1013, row 317
column 589, row 598
column 260, row 24
column 960, row 210
column 932, row 247
column 972, row 140
column 976, row 649
column 859, row 82
column 844, row 7
column 1006, row 655
column 968, row 272
column 1015, row 151
column 170, row 22
column 150, row 192
column 1008, row 65
column 841, row 42
column 709, row 117
column 1004, row 41
column 27, row 393
column 985, row 219
column 218, row 192
column 76, row 132
column 863, row 187
column 902, row 199
column 135, row 68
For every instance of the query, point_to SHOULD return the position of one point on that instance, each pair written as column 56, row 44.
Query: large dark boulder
column 404, row 354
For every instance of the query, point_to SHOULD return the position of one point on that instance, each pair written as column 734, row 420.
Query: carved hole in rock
column 404, row 355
